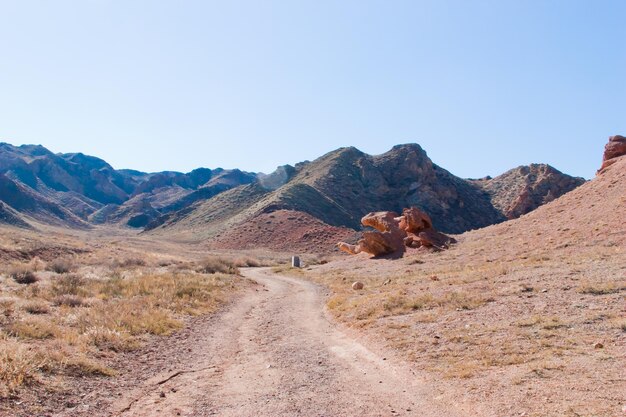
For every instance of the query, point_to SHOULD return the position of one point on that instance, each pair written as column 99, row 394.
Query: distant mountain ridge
column 76, row 190
column 343, row 185
column 337, row 189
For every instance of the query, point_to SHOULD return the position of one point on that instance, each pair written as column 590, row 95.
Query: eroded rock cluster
column 395, row 233
column 613, row 150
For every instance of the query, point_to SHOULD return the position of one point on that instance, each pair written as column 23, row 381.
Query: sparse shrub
column 247, row 262
column 422, row 301
column 82, row 366
column 461, row 370
column 19, row 364
column 71, row 284
column 32, row 329
column 113, row 287
column 601, row 288
column 217, row 264
column 61, row 266
column 112, row 339
column 396, row 304
column 36, row 264
column 128, row 262
column 336, row 302
column 36, row 307
column 7, row 306
column 69, row 300
column 462, row 301
column 552, row 323
column 22, row 274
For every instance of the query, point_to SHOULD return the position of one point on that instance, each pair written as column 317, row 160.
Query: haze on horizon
column 482, row 86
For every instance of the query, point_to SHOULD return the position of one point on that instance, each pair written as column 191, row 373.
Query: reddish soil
column 525, row 317
column 284, row 231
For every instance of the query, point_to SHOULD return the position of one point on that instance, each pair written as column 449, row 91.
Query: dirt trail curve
column 274, row 353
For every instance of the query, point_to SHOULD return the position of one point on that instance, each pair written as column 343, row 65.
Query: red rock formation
column 414, row 220
column 383, row 221
column 613, row 150
column 394, row 233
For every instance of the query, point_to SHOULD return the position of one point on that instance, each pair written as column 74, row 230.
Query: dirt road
column 274, row 353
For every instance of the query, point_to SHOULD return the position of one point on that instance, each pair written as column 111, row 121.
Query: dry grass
column 19, row 365
column 601, row 288
column 217, row 264
column 247, row 261
column 464, row 316
column 59, row 324
column 61, row 266
column 130, row 262
column 23, row 274
column 36, row 307
column 71, row 284
column 33, row 328
column 69, row 300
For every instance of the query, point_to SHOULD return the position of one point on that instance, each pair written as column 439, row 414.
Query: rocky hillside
column 76, row 190
column 523, row 316
column 523, row 189
column 342, row 186
column 330, row 195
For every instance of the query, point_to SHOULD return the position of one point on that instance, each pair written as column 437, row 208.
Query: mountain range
column 323, row 199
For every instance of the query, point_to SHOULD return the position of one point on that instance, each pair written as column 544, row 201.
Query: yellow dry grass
column 461, row 319
column 58, row 324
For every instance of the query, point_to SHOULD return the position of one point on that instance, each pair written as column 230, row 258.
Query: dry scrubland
column 527, row 316
column 70, row 305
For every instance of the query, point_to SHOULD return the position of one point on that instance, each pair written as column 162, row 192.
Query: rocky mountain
column 316, row 201
column 342, row 186
column 77, row 190
column 523, row 189
column 11, row 217
column 24, row 200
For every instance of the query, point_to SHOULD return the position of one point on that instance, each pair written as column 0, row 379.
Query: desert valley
column 124, row 293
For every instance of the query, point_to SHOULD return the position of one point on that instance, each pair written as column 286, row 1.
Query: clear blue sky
column 483, row 86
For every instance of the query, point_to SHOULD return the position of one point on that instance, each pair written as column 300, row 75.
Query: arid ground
column 524, row 318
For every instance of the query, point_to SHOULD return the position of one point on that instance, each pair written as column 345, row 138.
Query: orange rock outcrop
column 394, row 233
column 613, row 150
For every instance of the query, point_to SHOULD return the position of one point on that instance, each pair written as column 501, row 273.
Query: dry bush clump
column 33, row 328
column 69, row 300
column 69, row 284
column 61, row 266
column 129, row 262
column 36, row 307
column 601, row 288
column 216, row 264
column 247, row 261
column 19, row 365
column 23, row 274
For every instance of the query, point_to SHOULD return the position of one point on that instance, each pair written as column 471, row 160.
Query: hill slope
column 342, row 186
column 524, row 317
column 333, row 192
column 92, row 191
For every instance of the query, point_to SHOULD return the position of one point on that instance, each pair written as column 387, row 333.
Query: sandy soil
column 275, row 353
